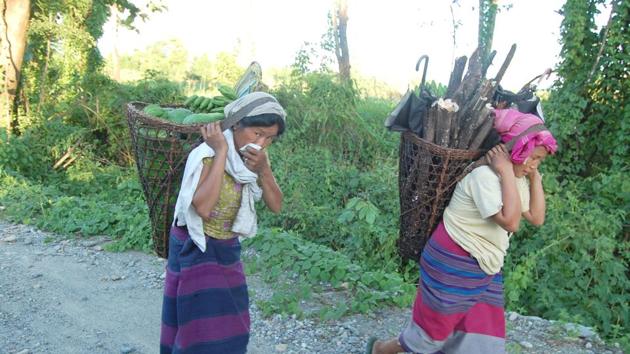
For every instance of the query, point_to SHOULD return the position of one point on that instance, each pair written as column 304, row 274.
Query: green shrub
column 317, row 267
column 575, row 267
column 322, row 111
column 108, row 203
column 35, row 151
column 318, row 190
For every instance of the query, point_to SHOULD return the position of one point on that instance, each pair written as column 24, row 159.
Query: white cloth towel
column 246, row 223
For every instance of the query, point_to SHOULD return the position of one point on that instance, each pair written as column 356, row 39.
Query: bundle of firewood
column 442, row 141
column 463, row 119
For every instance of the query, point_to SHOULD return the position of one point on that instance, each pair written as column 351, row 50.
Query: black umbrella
column 412, row 109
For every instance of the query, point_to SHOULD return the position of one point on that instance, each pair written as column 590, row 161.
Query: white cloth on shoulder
column 246, row 223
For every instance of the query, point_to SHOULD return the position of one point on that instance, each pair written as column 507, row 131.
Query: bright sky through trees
column 386, row 38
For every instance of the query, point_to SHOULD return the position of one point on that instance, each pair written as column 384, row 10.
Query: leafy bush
column 326, row 201
column 574, row 267
column 101, row 109
column 103, row 201
column 317, row 267
column 322, row 111
column 34, row 152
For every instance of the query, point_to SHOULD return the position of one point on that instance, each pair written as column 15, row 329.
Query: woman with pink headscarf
column 459, row 305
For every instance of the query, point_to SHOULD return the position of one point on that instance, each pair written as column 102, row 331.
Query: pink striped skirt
column 458, row 307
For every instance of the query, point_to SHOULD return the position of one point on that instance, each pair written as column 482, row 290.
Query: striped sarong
column 206, row 305
column 458, row 307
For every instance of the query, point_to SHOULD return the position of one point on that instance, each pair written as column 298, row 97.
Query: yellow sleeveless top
column 219, row 224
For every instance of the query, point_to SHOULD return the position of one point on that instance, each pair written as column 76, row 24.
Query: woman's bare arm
column 209, row 187
column 536, row 213
column 509, row 217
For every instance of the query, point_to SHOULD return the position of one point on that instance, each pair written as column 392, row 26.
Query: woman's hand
column 499, row 160
column 255, row 160
column 534, row 176
column 213, row 136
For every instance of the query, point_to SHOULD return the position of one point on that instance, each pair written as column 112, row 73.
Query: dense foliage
column 581, row 255
column 337, row 166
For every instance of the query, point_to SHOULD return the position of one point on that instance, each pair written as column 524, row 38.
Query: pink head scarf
column 510, row 123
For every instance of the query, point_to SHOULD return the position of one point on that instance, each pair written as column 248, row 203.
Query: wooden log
column 67, row 158
column 505, row 64
column 475, row 121
column 483, row 97
column 428, row 126
column 468, row 115
column 443, row 126
column 456, row 76
column 455, row 128
column 482, row 132
column 487, row 63
column 471, row 80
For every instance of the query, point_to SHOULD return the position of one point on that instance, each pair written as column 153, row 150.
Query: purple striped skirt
column 206, row 304
column 458, row 307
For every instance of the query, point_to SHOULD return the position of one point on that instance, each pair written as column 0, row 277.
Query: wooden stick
column 455, row 128
column 505, row 64
column 443, row 126
column 487, row 63
column 475, row 121
column 471, row 81
column 428, row 126
column 69, row 162
column 456, row 76
column 603, row 41
column 63, row 158
column 468, row 115
column 482, row 132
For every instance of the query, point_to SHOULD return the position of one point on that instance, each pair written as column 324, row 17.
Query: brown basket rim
column 161, row 123
column 441, row 150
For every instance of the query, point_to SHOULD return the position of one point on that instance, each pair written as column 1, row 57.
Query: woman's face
column 262, row 136
column 532, row 162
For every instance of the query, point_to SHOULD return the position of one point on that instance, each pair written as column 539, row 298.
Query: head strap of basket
column 522, row 132
column 252, row 104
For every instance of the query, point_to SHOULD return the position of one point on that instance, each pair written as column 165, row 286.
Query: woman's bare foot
column 376, row 348
column 388, row 347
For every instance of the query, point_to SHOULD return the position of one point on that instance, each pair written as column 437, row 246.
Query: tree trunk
column 15, row 19
column 340, row 24
column 487, row 18
column 43, row 77
column 115, row 54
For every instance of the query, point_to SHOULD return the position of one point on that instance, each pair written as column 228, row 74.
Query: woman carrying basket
column 206, row 303
column 459, row 304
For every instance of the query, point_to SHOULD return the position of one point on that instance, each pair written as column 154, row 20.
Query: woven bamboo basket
column 428, row 174
column 160, row 149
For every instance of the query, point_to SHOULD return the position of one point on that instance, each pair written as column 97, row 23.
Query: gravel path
column 69, row 296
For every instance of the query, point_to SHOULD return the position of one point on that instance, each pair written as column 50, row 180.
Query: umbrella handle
column 424, row 72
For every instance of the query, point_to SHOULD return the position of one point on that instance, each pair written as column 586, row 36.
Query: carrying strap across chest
column 509, row 145
column 228, row 122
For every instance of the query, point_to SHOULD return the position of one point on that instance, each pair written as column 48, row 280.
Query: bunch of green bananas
column 174, row 115
column 216, row 104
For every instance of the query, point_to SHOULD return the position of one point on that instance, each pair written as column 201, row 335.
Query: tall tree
column 14, row 27
column 340, row 24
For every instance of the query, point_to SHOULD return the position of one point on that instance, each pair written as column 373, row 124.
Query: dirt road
column 70, row 296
